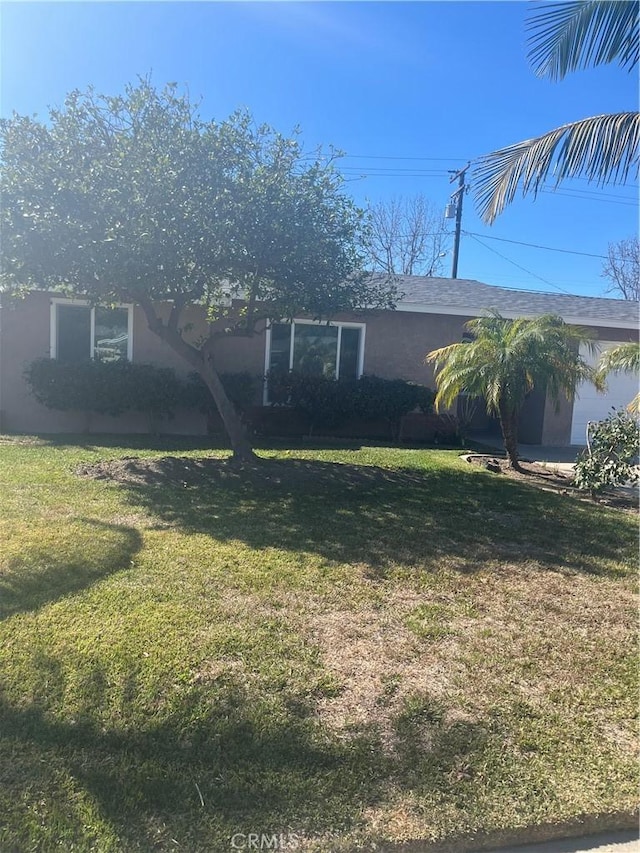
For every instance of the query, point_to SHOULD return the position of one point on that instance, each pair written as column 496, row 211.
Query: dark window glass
column 73, row 333
column 111, row 334
column 280, row 348
column 349, row 349
column 314, row 349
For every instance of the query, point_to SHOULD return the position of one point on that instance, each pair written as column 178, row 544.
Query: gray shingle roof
column 467, row 296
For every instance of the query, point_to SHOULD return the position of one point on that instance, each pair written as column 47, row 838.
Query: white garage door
column 589, row 405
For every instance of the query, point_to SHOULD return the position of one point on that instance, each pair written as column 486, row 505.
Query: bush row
column 329, row 404
column 113, row 388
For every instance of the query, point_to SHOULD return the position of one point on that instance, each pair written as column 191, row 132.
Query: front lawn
column 343, row 646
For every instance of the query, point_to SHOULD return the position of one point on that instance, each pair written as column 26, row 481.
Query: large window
column 335, row 351
column 79, row 331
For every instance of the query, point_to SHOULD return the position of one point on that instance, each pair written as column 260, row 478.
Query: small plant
column 612, row 449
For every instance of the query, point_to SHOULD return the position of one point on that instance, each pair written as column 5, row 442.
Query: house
column 431, row 313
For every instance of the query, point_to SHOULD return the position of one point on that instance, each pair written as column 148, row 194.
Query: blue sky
column 407, row 90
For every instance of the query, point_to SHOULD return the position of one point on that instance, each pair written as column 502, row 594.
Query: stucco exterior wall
column 395, row 347
column 25, row 331
column 25, row 336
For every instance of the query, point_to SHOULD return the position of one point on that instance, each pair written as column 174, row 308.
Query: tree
column 567, row 36
column 134, row 198
column 506, row 360
column 624, row 358
column 406, row 237
column 622, row 268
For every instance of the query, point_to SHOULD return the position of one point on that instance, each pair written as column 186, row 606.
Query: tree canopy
column 506, row 359
column 135, row 198
column 566, row 36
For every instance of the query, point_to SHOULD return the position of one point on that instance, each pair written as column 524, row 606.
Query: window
column 335, row 350
column 79, row 331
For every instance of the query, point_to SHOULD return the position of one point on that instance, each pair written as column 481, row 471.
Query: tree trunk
column 240, row 444
column 509, row 427
column 201, row 361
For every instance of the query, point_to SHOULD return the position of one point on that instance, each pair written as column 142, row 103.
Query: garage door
column 592, row 406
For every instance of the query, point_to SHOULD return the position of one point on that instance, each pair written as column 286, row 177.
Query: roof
column 467, row 297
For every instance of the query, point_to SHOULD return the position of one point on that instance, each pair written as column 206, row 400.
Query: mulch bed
column 553, row 479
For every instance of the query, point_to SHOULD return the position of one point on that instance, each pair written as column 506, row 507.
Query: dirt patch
column 552, row 478
column 379, row 663
column 185, row 471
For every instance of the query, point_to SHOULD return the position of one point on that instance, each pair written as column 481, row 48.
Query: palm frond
column 624, row 358
column 602, row 148
column 583, row 33
column 508, row 358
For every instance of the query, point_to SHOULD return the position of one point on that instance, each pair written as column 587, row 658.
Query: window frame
column 84, row 303
column 362, row 327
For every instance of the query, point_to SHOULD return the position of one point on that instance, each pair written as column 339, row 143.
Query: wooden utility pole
column 457, row 197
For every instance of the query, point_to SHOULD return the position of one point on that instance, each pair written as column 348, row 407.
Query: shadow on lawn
column 47, row 569
column 222, row 763
column 366, row 514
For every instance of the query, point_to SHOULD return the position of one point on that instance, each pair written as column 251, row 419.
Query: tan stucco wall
column 397, row 343
column 395, row 346
column 25, row 336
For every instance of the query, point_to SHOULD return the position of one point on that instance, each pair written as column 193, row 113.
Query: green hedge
column 329, row 403
column 112, row 388
column 109, row 388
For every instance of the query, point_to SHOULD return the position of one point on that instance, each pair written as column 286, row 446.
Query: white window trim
column 338, row 323
column 81, row 303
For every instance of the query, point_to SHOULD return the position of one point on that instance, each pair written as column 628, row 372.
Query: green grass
column 352, row 645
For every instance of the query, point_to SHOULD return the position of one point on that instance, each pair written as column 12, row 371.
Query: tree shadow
column 373, row 515
column 47, row 570
column 222, row 763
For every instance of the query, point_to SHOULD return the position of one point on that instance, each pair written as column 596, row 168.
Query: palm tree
column 565, row 37
column 506, row 359
column 625, row 358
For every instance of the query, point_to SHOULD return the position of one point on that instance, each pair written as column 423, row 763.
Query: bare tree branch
column 622, row 268
column 406, row 237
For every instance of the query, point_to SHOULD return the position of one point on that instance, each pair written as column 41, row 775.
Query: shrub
column 110, row 388
column 390, row 399
column 240, row 388
column 87, row 386
column 326, row 402
column 329, row 403
column 612, row 449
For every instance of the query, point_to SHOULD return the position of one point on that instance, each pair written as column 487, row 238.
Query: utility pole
column 456, row 197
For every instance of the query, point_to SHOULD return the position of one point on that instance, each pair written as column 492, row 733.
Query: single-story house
column 430, row 313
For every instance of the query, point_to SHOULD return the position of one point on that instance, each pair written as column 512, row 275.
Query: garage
column 590, row 405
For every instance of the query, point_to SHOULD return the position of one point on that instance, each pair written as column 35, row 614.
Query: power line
column 590, row 197
column 362, row 175
column 400, row 171
column 504, row 257
column 535, row 245
column 594, row 192
column 389, row 157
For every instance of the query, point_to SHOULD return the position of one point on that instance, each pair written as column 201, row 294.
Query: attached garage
column 590, row 405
